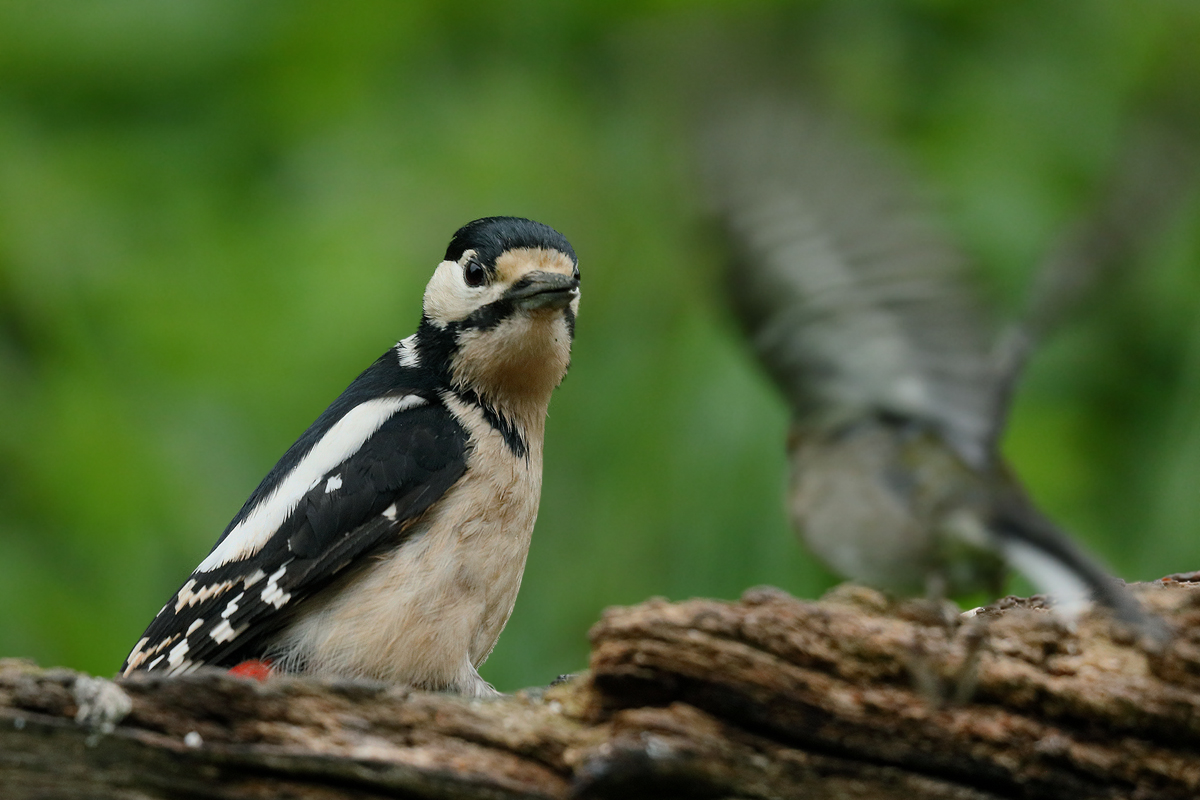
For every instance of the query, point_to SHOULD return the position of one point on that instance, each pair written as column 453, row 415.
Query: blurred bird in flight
column 861, row 310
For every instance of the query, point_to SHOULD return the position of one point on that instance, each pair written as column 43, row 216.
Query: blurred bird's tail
column 1058, row 567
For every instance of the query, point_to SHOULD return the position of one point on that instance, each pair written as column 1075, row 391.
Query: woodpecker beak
column 543, row 290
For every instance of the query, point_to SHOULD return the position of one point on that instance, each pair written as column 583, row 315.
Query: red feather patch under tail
column 258, row 669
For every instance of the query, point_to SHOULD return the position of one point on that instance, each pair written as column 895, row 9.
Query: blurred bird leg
column 958, row 685
column 975, row 631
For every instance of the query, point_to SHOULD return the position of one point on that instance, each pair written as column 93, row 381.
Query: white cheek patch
column 449, row 299
column 340, row 442
column 445, row 295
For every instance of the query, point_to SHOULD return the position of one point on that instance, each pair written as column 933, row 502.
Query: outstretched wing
column 355, row 482
column 854, row 301
column 1151, row 179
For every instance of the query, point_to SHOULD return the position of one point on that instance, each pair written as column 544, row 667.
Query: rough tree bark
column 849, row 697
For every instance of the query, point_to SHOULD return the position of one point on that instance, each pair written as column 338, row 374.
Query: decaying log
column 849, row 697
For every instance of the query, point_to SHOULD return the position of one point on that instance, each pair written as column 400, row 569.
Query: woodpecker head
column 502, row 307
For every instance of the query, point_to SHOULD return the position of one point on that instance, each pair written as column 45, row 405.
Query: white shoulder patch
column 340, row 442
column 406, row 352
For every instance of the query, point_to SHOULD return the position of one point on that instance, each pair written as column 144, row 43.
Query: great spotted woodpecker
column 390, row 539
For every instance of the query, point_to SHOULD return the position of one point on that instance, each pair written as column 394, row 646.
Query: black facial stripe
column 569, row 316
column 512, row 436
column 489, row 316
column 437, row 347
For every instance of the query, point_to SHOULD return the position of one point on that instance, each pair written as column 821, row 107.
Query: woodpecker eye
column 474, row 273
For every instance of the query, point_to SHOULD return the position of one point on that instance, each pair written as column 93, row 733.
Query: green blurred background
column 213, row 215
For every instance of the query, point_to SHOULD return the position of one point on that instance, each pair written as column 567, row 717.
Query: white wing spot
column 253, row 579
column 192, row 628
column 154, row 663
column 271, row 593
column 221, row 632
column 232, row 608
column 226, row 632
column 340, row 442
column 181, row 598
column 177, row 653
column 276, row 597
column 333, row 484
column 390, row 512
column 141, row 652
column 189, row 596
column 137, row 656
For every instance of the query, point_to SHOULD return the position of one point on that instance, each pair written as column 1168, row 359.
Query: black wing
column 367, row 501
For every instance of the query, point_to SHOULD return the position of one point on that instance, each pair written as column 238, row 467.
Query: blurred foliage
column 213, row 215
